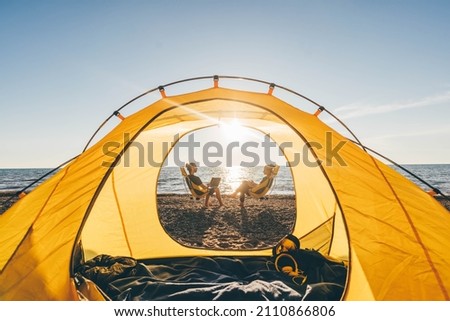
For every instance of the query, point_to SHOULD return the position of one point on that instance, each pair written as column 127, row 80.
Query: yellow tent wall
column 394, row 235
column 129, row 202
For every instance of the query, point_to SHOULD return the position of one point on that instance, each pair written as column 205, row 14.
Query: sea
column 436, row 175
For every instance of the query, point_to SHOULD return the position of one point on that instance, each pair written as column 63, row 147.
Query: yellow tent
column 394, row 235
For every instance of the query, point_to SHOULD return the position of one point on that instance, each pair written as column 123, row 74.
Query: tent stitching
column 416, row 233
column 35, row 219
column 116, row 199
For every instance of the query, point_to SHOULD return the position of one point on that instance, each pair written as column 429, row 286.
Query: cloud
column 360, row 110
column 422, row 133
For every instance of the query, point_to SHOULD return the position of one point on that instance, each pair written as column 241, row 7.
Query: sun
column 233, row 130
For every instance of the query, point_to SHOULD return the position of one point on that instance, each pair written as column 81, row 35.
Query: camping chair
column 259, row 191
column 197, row 191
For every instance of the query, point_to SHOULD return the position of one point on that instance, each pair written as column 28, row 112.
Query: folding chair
column 260, row 191
column 197, row 191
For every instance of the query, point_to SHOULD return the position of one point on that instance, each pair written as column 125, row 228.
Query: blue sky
column 382, row 66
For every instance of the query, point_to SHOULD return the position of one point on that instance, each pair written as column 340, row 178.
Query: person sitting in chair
column 192, row 169
column 249, row 187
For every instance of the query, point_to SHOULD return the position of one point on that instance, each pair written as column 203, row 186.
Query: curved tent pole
column 434, row 189
column 96, row 132
column 216, row 77
column 116, row 112
column 272, row 85
column 321, row 108
column 345, row 126
column 19, row 193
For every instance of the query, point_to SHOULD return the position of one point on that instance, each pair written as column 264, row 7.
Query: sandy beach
column 444, row 202
column 260, row 224
column 6, row 200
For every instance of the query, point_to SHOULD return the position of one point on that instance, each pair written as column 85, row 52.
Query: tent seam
column 120, row 214
column 34, row 221
column 416, row 233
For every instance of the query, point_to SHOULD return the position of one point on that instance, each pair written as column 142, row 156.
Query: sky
column 383, row 67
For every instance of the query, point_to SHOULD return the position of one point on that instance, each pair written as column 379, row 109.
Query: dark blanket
column 198, row 279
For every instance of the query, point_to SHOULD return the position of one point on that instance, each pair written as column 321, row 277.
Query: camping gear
column 393, row 235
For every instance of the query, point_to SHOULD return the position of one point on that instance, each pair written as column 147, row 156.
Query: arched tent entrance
column 352, row 207
column 316, row 203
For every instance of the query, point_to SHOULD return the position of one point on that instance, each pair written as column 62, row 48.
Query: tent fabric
column 393, row 234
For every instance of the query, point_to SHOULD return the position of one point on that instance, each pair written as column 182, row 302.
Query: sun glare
column 235, row 175
column 234, row 130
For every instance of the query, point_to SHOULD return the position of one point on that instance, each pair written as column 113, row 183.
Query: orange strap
column 216, row 81
column 162, row 92
column 271, row 88
column 318, row 111
column 119, row 115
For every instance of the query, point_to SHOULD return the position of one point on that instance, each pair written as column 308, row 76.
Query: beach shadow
column 187, row 227
column 231, row 219
column 245, row 223
column 263, row 225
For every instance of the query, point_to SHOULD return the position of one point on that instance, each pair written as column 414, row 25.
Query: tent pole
column 22, row 191
column 434, row 189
